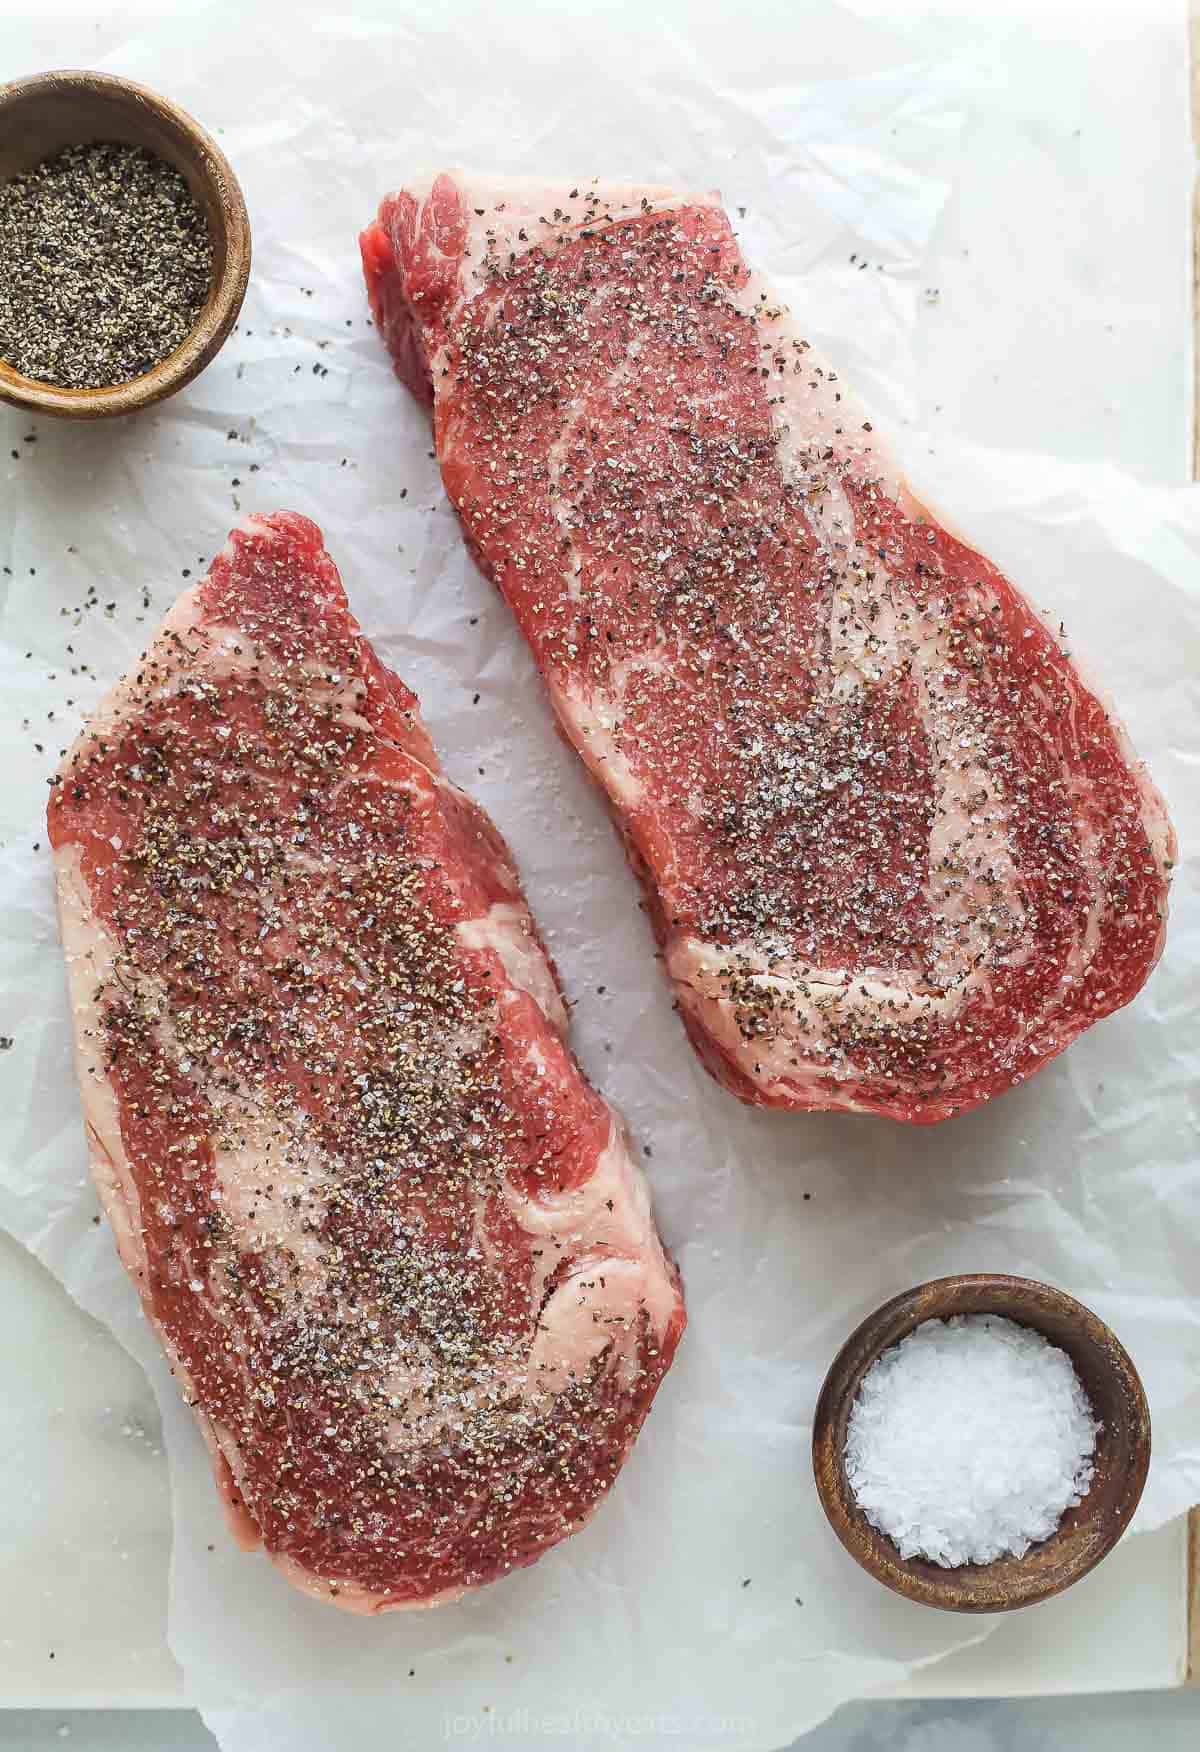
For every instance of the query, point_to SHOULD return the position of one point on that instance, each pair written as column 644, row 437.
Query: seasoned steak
column 897, row 854
column 393, row 1242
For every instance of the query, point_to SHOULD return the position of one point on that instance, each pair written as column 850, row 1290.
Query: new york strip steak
column 394, row 1244
column 897, row 855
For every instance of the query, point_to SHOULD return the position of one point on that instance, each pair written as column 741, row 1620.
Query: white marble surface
column 85, row 1505
column 1169, row 1721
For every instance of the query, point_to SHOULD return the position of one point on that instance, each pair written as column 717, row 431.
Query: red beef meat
column 394, row 1244
column 896, row 852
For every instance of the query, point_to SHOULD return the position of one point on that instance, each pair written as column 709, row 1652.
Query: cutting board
column 85, row 1525
column 1193, row 1663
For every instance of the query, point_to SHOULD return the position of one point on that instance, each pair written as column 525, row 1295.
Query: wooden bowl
column 1085, row 1534
column 41, row 115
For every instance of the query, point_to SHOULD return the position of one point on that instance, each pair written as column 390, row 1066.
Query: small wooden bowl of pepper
column 1086, row 1532
column 67, row 139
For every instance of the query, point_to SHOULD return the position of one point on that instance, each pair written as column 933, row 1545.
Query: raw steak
column 393, row 1242
column 896, row 853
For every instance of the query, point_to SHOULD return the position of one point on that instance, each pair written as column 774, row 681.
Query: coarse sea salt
column 969, row 1439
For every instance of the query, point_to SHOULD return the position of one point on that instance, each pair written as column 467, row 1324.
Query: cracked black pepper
column 105, row 265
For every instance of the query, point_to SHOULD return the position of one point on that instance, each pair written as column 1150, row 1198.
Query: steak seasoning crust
column 896, row 853
column 393, row 1242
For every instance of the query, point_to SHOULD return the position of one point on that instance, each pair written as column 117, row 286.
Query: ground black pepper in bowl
column 105, row 265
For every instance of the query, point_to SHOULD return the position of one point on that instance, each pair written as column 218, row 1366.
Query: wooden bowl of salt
column 1004, row 1409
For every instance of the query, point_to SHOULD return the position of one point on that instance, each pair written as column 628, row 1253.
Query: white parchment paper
column 707, row 1604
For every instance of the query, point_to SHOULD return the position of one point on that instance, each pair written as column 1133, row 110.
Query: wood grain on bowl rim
column 71, row 107
column 1085, row 1535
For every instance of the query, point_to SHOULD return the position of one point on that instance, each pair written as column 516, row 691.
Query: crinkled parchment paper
column 707, row 1604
